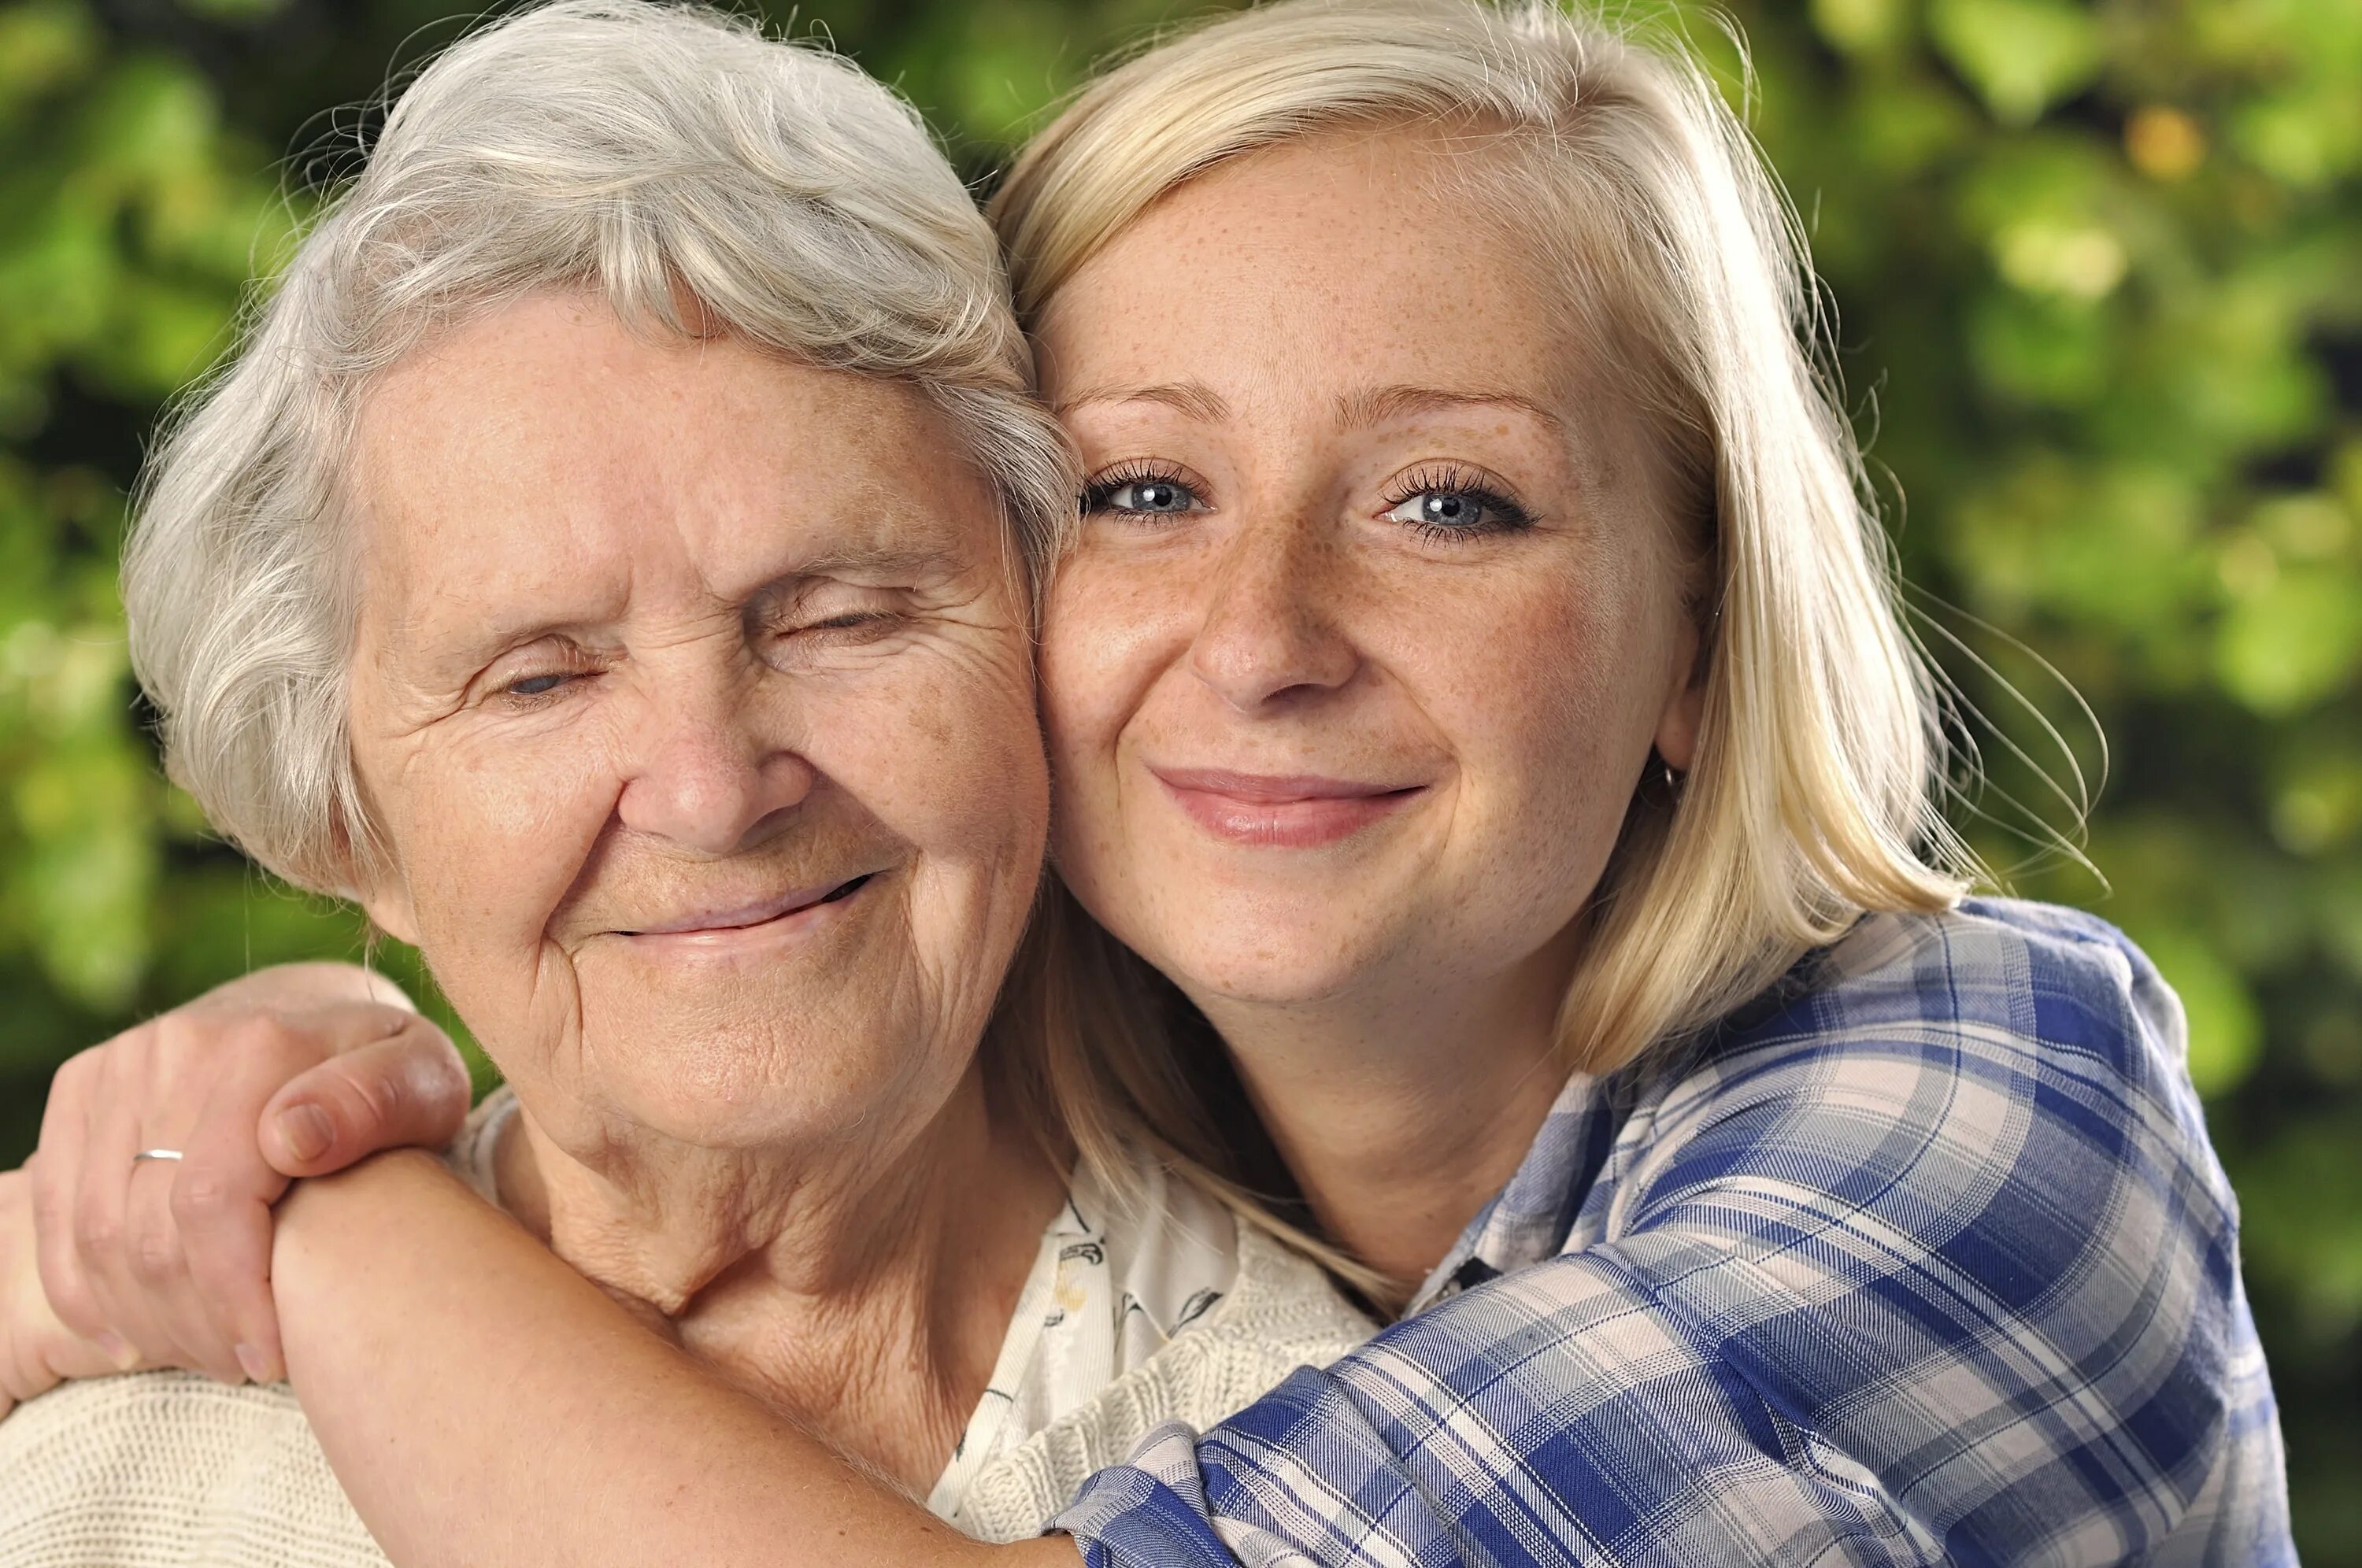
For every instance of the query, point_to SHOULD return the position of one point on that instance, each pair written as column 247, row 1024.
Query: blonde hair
column 1815, row 791
column 701, row 178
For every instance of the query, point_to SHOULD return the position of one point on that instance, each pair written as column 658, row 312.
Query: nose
column 1269, row 631
column 706, row 776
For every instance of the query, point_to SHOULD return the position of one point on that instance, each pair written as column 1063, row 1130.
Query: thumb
column 408, row 1089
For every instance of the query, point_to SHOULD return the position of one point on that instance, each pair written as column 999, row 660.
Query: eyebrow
column 1195, row 399
column 1358, row 411
column 912, row 564
column 1355, row 410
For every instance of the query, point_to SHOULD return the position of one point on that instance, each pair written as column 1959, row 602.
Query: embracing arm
column 1908, row 1291
column 483, row 1402
column 1932, row 1268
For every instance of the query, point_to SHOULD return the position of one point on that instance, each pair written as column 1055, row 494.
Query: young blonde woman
column 1478, row 691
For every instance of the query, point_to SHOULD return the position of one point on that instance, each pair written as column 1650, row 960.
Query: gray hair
column 696, row 175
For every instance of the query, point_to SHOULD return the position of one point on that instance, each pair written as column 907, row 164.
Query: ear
column 372, row 883
column 388, row 910
column 382, row 892
column 1685, row 709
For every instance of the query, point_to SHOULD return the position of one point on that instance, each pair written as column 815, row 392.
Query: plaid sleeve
column 1897, row 1281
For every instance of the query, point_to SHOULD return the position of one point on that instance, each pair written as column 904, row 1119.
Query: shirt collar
column 1528, row 1219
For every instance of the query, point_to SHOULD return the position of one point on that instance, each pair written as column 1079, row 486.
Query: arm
column 1902, row 1294
column 1862, row 1287
column 534, row 1420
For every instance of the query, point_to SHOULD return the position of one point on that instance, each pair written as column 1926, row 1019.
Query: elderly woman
column 1477, row 688
column 631, row 481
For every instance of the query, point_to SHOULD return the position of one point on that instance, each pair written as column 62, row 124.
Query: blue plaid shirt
column 1923, row 1258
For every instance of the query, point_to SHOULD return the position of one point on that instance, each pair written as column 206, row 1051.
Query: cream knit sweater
column 165, row 1469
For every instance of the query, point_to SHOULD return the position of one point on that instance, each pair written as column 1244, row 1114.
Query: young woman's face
column 1374, row 617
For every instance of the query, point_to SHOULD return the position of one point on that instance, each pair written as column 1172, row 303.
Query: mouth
column 723, row 921
column 1282, row 810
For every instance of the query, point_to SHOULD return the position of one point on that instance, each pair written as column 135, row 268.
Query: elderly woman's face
column 695, row 705
column 1375, row 615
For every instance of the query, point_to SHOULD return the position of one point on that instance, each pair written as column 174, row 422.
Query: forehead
column 548, row 450
column 1332, row 259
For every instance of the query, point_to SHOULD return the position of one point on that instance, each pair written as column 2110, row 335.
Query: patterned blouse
column 1112, row 1283
column 1922, row 1258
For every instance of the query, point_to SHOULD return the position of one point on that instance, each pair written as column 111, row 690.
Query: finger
column 56, row 1172
column 36, row 1350
column 226, row 1232
column 158, row 1264
column 408, row 1089
column 102, row 1236
column 200, row 1240
column 221, row 1202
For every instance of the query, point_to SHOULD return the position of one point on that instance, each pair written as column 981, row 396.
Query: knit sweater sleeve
column 171, row 1470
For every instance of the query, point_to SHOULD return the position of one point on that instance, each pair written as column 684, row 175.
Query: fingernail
column 306, row 1131
column 116, row 1349
column 256, row 1366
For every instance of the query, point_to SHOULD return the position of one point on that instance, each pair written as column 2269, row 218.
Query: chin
column 749, row 1083
column 746, row 1120
column 1293, row 967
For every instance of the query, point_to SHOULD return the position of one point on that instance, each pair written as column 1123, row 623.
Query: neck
column 862, row 1288
column 1401, row 1109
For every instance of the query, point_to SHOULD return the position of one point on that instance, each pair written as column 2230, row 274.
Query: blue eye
column 1141, row 492
column 537, row 685
column 1447, row 505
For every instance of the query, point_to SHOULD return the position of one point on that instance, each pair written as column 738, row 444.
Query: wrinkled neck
column 863, row 1286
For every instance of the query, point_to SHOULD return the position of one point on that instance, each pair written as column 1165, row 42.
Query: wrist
column 392, row 1176
column 314, row 984
column 360, row 1207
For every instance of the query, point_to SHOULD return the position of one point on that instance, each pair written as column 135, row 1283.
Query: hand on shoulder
column 286, row 1072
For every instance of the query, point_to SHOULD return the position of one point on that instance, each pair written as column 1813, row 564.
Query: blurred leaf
column 233, row 10
column 2225, row 1031
column 2317, row 796
column 2308, row 1171
column 44, row 45
column 1862, row 26
column 2022, row 55
column 2292, row 641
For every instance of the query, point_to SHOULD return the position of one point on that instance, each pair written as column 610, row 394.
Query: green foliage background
column 2098, row 273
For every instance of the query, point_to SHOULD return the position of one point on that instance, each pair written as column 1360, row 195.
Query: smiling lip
column 1297, row 811
column 728, row 921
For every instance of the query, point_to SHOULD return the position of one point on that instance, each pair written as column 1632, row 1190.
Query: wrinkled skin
column 692, row 697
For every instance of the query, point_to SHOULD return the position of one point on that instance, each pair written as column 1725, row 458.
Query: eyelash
column 855, row 622
column 1102, row 489
column 1445, row 480
column 566, row 678
column 1507, row 516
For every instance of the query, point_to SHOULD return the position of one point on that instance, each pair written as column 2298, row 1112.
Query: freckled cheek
column 1536, row 690
column 1110, row 632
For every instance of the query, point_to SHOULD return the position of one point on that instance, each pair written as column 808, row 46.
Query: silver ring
column 156, row 1154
